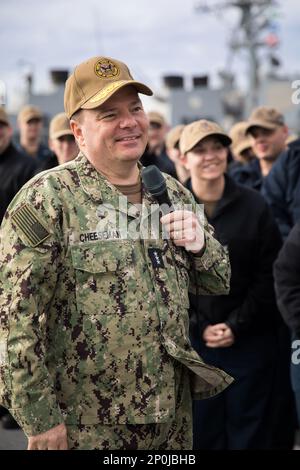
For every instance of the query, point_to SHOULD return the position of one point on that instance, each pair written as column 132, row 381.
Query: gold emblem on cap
column 105, row 68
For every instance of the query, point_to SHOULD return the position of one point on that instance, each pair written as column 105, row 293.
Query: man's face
column 115, row 131
column 31, row 130
column 156, row 134
column 207, row 160
column 268, row 143
column 5, row 136
column 64, row 147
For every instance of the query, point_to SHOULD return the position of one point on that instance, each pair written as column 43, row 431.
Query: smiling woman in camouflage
column 94, row 334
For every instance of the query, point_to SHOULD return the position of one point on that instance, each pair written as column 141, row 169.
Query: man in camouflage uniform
column 94, row 347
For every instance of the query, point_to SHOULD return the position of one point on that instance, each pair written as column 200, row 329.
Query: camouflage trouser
column 173, row 435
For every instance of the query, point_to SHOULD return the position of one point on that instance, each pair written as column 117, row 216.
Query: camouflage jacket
column 92, row 324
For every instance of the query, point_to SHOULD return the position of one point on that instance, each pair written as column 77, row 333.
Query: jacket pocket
column 106, row 280
column 108, row 320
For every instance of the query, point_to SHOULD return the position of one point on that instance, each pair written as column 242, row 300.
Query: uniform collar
column 100, row 190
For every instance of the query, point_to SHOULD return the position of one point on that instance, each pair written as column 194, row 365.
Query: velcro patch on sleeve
column 26, row 220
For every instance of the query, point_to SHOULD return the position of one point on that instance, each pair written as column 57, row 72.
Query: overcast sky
column 154, row 37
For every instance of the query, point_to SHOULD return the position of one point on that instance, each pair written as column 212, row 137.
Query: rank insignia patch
column 156, row 257
column 26, row 220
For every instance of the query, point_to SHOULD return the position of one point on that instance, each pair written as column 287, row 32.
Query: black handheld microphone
column 155, row 183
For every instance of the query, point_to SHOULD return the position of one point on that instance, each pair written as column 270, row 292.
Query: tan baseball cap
column 59, row 126
column 95, row 81
column 173, row 136
column 240, row 140
column 4, row 117
column 197, row 131
column 155, row 116
column 29, row 112
column 266, row 117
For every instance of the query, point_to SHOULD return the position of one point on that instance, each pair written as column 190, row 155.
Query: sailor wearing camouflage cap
column 94, row 340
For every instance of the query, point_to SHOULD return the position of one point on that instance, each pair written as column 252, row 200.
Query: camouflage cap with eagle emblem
column 95, row 81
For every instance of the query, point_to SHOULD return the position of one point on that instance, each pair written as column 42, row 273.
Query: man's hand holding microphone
column 182, row 226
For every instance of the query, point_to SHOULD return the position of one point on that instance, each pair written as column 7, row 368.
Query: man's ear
column 77, row 131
